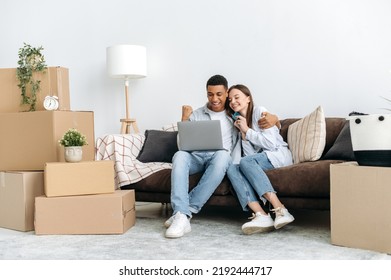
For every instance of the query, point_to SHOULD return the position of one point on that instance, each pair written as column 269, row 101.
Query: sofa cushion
column 159, row 146
column 333, row 129
column 334, row 126
column 307, row 137
column 306, row 179
column 342, row 148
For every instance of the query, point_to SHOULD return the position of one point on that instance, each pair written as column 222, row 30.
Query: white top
column 226, row 127
column 269, row 140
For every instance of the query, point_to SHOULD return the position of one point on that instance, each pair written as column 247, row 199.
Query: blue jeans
column 213, row 164
column 249, row 179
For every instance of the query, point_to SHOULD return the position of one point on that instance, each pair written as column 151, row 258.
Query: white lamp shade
column 126, row 61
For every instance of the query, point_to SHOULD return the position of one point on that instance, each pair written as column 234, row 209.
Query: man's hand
column 186, row 112
column 268, row 120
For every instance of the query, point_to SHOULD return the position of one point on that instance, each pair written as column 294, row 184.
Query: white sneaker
column 168, row 222
column 180, row 226
column 259, row 223
column 283, row 217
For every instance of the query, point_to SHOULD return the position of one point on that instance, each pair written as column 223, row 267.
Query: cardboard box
column 87, row 214
column 55, row 81
column 30, row 139
column 17, row 195
column 86, row 177
column 361, row 206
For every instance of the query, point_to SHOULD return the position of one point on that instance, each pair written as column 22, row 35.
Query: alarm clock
column 51, row 103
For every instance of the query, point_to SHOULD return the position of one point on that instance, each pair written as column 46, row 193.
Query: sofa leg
column 166, row 208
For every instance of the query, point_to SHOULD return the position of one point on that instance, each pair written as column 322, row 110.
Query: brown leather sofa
column 304, row 185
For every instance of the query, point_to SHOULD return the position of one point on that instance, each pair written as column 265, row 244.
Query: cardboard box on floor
column 17, row 197
column 79, row 178
column 30, row 139
column 361, row 206
column 55, row 81
column 86, row 214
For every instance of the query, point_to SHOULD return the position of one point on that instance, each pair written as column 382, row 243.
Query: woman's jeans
column 213, row 164
column 250, row 180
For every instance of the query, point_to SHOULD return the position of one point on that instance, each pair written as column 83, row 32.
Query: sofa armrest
column 123, row 149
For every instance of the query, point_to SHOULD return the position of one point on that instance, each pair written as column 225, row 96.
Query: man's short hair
column 217, row 80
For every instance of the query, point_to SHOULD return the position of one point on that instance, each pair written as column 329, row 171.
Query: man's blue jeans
column 213, row 164
column 249, row 179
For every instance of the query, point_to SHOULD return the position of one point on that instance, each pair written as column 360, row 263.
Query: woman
column 263, row 149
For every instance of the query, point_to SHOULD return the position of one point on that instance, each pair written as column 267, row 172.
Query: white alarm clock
column 51, row 103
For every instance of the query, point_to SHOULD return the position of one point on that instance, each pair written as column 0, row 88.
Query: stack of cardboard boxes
column 36, row 184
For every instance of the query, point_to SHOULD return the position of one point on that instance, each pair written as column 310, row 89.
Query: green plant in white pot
column 73, row 141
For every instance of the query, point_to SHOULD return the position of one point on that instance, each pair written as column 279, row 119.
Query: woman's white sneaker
column 259, row 223
column 283, row 217
column 180, row 226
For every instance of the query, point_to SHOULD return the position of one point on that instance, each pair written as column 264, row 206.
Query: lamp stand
column 128, row 123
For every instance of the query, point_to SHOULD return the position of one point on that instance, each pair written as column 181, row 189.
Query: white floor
column 216, row 234
column 215, row 240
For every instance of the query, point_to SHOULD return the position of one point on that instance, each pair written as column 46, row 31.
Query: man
column 213, row 164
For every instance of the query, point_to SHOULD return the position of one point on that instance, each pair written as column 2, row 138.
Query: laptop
column 200, row 136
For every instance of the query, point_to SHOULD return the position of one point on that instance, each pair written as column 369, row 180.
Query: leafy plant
column 389, row 100
column 73, row 138
column 31, row 61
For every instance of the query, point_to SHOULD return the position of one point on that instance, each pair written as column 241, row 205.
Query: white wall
column 294, row 55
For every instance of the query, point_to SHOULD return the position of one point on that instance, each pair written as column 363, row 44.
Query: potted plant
column 388, row 100
column 371, row 138
column 73, row 141
column 31, row 61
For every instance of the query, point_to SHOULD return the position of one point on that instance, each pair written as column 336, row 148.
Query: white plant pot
column 73, row 154
column 371, row 139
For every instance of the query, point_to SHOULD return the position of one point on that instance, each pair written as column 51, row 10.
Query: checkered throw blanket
column 123, row 149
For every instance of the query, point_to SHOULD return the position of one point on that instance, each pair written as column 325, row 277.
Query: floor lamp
column 127, row 62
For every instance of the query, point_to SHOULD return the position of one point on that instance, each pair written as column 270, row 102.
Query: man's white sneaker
column 259, row 223
column 180, row 226
column 168, row 222
column 283, row 217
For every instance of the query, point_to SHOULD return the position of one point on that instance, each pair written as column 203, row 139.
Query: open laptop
column 200, row 136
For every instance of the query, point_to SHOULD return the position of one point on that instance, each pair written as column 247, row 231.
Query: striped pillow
column 307, row 137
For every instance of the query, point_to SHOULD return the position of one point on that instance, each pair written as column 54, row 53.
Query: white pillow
column 307, row 137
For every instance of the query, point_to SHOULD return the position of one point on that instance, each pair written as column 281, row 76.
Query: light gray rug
column 216, row 235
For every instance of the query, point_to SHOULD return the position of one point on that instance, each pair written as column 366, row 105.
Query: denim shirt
column 202, row 114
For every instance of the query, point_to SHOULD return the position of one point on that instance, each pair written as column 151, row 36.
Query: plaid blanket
column 123, row 149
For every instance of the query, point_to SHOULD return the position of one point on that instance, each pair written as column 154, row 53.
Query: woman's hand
column 241, row 124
